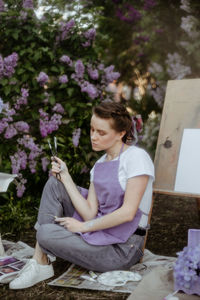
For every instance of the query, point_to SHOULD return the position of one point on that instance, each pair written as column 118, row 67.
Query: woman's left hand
column 70, row 224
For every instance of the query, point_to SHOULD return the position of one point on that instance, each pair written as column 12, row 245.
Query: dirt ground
column 171, row 219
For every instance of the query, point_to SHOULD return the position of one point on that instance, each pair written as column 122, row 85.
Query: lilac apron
column 110, row 197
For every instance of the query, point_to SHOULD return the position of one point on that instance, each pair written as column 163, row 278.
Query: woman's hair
column 122, row 120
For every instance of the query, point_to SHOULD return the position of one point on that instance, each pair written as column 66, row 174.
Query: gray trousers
column 57, row 240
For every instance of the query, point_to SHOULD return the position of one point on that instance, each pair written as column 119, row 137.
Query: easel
column 181, row 110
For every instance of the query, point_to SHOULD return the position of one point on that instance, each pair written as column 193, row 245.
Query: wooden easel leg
column 198, row 206
column 149, row 220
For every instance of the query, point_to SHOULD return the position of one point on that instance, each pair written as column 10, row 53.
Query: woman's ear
column 122, row 134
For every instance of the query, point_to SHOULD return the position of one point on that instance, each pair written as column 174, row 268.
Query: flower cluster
column 2, row 7
column 63, row 79
column 66, row 60
column 42, row 78
column 65, row 29
column 187, row 268
column 176, row 69
column 8, row 64
column 76, row 136
column 188, row 24
column 49, row 124
column 90, row 35
column 148, row 4
column 128, row 13
column 23, row 99
column 28, row 4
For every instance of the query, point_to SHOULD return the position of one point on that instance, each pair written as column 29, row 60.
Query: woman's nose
column 93, row 135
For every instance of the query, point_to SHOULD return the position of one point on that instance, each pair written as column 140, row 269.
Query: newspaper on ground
column 9, row 268
column 80, row 278
column 5, row 180
column 77, row 277
column 12, row 259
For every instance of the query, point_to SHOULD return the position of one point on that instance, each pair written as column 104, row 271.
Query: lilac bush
column 49, row 82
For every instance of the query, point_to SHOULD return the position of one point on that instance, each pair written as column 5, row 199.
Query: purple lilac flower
column 19, row 161
column 48, row 126
column 93, row 73
column 42, row 78
column 1, row 105
column 66, row 60
column 90, row 89
column 23, row 99
column 76, row 136
column 58, row 108
column 28, row 4
column 10, row 62
column 45, row 163
column 86, row 44
column 21, row 187
column 43, row 114
column 22, row 126
column 2, row 7
column 110, row 75
column 187, row 267
column 101, row 67
column 63, row 79
column 23, row 15
column 148, row 4
column 29, row 143
column 128, row 14
column 66, row 28
column 1, row 66
column 10, row 132
column 3, row 125
column 90, row 36
column 79, row 68
column 32, row 166
column 46, row 100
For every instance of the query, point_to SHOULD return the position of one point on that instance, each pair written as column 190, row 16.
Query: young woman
column 101, row 229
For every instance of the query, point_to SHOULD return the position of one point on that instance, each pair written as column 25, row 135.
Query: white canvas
column 188, row 169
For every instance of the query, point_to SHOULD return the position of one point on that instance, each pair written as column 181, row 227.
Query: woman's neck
column 114, row 151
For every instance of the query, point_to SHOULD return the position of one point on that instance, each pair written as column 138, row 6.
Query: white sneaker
column 31, row 274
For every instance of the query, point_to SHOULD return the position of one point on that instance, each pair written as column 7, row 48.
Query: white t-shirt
column 135, row 161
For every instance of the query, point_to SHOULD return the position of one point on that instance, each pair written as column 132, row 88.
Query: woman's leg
column 57, row 240
column 55, row 201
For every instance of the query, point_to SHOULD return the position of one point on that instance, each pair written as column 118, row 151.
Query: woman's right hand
column 59, row 167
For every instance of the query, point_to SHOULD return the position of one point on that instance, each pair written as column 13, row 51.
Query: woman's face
column 103, row 136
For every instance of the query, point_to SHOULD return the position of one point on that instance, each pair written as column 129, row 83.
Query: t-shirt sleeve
column 92, row 174
column 139, row 163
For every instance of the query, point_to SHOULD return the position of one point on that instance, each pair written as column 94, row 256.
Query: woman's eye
column 101, row 133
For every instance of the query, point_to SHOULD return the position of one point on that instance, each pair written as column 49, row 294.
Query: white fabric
column 134, row 161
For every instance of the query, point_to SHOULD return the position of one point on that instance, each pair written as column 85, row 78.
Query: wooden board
column 181, row 110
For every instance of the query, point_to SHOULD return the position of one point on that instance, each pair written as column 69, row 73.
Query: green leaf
column 15, row 35
column 52, row 100
column 7, row 90
column 54, row 69
column 70, row 92
column 4, row 81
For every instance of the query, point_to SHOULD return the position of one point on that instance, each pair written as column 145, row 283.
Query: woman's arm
column 135, row 189
column 86, row 208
